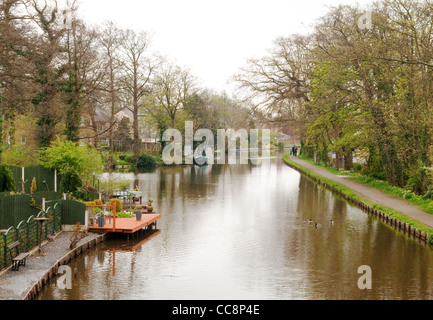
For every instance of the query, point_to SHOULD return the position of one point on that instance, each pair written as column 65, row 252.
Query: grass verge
column 350, row 195
column 421, row 202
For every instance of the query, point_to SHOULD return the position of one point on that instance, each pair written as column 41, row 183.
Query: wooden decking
column 127, row 225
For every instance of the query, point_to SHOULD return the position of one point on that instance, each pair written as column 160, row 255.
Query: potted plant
column 138, row 213
column 100, row 217
column 150, row 206
column 109, row 215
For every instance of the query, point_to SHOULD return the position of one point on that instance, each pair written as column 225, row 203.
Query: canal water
column 239, row 232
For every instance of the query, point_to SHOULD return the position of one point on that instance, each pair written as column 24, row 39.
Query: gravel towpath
column 15, row 285
column 372, row 195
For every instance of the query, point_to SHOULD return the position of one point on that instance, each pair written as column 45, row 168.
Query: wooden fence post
column 55, row 180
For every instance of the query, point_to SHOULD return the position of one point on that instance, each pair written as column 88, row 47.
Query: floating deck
column 134, row 243
column 127, row 225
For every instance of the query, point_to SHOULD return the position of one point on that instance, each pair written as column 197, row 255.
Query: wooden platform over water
column 127, row 225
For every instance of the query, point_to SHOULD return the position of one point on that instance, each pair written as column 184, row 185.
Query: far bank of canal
column 239, row 232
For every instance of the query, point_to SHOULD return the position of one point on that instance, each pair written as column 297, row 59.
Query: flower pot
column 101, row 222
column 149, row 209
column 138, row 215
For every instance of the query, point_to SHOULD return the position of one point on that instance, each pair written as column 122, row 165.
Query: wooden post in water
column 114, row 262
column 114, row 216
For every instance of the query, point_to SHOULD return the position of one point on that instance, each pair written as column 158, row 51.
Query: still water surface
column 238, row 232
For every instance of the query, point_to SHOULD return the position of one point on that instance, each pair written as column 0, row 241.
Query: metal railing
column 99, row 211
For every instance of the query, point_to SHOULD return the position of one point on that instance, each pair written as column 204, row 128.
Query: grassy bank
column 380, row 185
column 421, row 202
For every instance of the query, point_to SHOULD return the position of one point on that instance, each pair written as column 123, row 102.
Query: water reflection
column 238, row 232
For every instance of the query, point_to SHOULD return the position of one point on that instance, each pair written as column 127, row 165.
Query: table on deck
column 129, row 195
column 137, row 195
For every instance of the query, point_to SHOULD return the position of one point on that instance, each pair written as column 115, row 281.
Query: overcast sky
column 214, row 38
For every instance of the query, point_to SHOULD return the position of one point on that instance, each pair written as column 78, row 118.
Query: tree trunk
column 348, row 162
column 137, row 142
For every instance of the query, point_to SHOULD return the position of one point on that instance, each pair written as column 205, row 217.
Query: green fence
column 28, row 233
column 16, row 208
column 19, row 207
column 17, row 220
column 73, row 212
column 45, row 178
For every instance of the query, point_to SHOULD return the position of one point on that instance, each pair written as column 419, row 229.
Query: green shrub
column 124, row 214
column 281, row 146
column 146, row 161
column 118, row 204
column 357, row 167
column 7, row 181
column 374, row 166
column 70, row 181
column 407, row 195
column 414, row 184
column 429, row 193
column 375, row 170
column 83, row 194
column 131, row 159
column 33, row 187
column 64, row 155
column 19, row 156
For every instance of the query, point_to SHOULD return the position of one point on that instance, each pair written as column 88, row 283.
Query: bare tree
column 109, row 43
column 137, row 69
column 277, row 86
column 172, row 87
column 280, row 80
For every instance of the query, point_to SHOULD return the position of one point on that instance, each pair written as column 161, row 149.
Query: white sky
column 214, row 38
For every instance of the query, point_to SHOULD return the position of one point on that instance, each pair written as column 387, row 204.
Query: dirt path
column 372, row 195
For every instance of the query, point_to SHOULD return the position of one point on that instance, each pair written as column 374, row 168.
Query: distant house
column 98, row 127
column 283, row 138
column 151, row 144
column 92, row 125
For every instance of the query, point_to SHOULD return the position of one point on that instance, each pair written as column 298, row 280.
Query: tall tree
column 46, row 57
column 15, row 86
column 84, row 72
column 277, row 85
column 109, row 43
column 366, row 88
column 136, row 73
column 172, row 87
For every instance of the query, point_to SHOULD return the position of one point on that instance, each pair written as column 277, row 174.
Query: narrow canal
column 238, row 232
